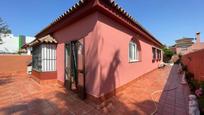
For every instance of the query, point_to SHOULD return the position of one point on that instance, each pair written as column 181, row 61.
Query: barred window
column 158, row 54
column 44, row 57
column 36, row 58
column 154, row 53
column 48, row 57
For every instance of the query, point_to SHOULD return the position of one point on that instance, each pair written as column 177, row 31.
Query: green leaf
column 4, row 29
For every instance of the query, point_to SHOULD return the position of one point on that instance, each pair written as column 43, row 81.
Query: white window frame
column 135, row 52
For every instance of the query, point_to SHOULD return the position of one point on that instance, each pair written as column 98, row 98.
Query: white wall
column 29, row 39
column 11, row 43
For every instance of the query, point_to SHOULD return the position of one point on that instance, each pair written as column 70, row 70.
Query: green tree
column 167, row 54
column 4, row 29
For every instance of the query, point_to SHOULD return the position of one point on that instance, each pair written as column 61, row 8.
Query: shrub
column 201, row 104
column 189, row 76
column 192, row 85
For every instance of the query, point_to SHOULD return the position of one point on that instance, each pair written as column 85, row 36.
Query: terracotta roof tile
column 66, row 13
column 113, row 4
column 45, row 39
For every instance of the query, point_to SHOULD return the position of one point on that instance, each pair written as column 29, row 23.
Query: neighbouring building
column 187, row 45
column 183, row 44
column 12, row 44
column 95, row 48
column 198, row 45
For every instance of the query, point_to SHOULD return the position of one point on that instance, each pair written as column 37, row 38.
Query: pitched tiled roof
column 79, row 4
column 130, row 18
column 46, row 39
column 112, row 4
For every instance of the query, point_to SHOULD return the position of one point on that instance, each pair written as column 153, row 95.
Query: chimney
column 198, row 38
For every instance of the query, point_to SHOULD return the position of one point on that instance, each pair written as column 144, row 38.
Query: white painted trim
column 136, row 53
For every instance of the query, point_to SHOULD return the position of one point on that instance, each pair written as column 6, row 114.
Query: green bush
column 201, row 104
column 192, row 85
column 167, row 54
column 189, row 76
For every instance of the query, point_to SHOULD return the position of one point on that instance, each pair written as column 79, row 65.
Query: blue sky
column 167, row 20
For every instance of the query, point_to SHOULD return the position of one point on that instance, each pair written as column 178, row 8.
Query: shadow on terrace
column 5, row 79
column 135, row 99
column 25, row 96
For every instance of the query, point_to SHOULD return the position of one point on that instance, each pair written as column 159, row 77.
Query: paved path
column 21, row 95
column 174, row 98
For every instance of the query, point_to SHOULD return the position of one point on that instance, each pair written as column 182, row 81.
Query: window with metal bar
column 49, row 57
column 36, row 58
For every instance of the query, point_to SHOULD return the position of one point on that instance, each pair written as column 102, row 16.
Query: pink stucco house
column 95, row 48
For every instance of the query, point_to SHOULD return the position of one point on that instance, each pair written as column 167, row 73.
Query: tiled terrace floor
column 21, row 95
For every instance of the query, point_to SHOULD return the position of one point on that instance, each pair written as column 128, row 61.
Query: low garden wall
column 195, row 64
column 11, row 63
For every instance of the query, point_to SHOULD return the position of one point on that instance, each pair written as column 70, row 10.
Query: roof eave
column 131, row 23
column 68, row 17
column 91, row 7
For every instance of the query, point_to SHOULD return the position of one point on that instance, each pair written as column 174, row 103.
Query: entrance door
column 68, row 69
column 71, row 80
column 80, row 69
column 74, row 70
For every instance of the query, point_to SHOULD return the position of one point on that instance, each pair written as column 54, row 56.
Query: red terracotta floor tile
column 22, row 95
